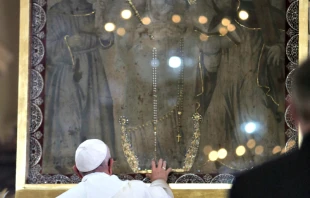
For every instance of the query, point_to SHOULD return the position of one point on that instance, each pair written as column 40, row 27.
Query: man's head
column 93, row 156
column 301, row 95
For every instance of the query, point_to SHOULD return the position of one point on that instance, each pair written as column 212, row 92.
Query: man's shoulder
column 272, row 168
column 77, row 191
column 266, row 176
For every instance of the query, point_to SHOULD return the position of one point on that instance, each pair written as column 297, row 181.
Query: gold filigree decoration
column 193, row 148
column 190, row 156
column 130, row 155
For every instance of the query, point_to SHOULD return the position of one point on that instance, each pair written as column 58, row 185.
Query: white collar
column 102, row 174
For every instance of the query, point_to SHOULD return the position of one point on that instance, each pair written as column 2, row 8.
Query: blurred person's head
column 301, row 96
column 93, row 156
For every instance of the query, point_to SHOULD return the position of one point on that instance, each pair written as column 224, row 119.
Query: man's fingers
column 169, row 171
column 164, row 165
column 160, row 163
column 153, row 165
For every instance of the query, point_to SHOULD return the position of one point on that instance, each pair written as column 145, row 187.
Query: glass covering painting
column 203, row 84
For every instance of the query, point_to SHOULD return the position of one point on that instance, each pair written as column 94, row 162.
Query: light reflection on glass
column 276, row 150
column 283, row 151
column 243, row 15
column 240, row 151
column 223, row 31
column 109, row 27
column 202, row 20
column 250, row 127
column 207, row 150
column 222, row 153
column 290, row 144
column 146, row 21
column 231, row 27
column 175, row 62
column 259, row 150
column 126, row 14
column 225, row 22
column 176, row 18
column 203, row 37
column 155, row 63
column 251, row 143
column 121, row 31
column 213, row 155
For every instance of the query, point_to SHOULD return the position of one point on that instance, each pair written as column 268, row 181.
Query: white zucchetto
column 90, row 154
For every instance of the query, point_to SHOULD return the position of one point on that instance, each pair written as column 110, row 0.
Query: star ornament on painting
column 197, row 117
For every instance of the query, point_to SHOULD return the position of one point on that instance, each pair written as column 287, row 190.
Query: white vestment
column 101, row 185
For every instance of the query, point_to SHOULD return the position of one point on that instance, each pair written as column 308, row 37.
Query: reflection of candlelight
column 223, row 31
column 176, row 18
column 243, row 15
column 207, row 150
column 121, row 31
column 251, row 143
column 213, row 155
column 231, row 27
column 146, row 20
column 126, row 14
column 259, row 150
column 203, row 37
column 240, row 151
column 202, row 20
column 109, row 27
column 222, row 153
column 276, row 150
column 225, row 22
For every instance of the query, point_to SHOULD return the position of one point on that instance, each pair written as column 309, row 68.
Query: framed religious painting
column 203, row 84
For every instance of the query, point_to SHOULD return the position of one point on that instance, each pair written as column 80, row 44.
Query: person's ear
column 111, row 162
column 77, row 172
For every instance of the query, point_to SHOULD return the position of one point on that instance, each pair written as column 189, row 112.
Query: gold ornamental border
column 24, row 190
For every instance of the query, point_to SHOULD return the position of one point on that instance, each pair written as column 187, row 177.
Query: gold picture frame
column 24, row 190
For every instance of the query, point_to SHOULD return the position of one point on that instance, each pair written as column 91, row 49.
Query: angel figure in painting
column 245, row 66
column 78, row 100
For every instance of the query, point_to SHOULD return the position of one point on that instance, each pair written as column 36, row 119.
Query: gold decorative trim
column 179, row 190
column 194, row 146
column 130, row 155
column 303, row 41
column 24, row 190
column 23, row 96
